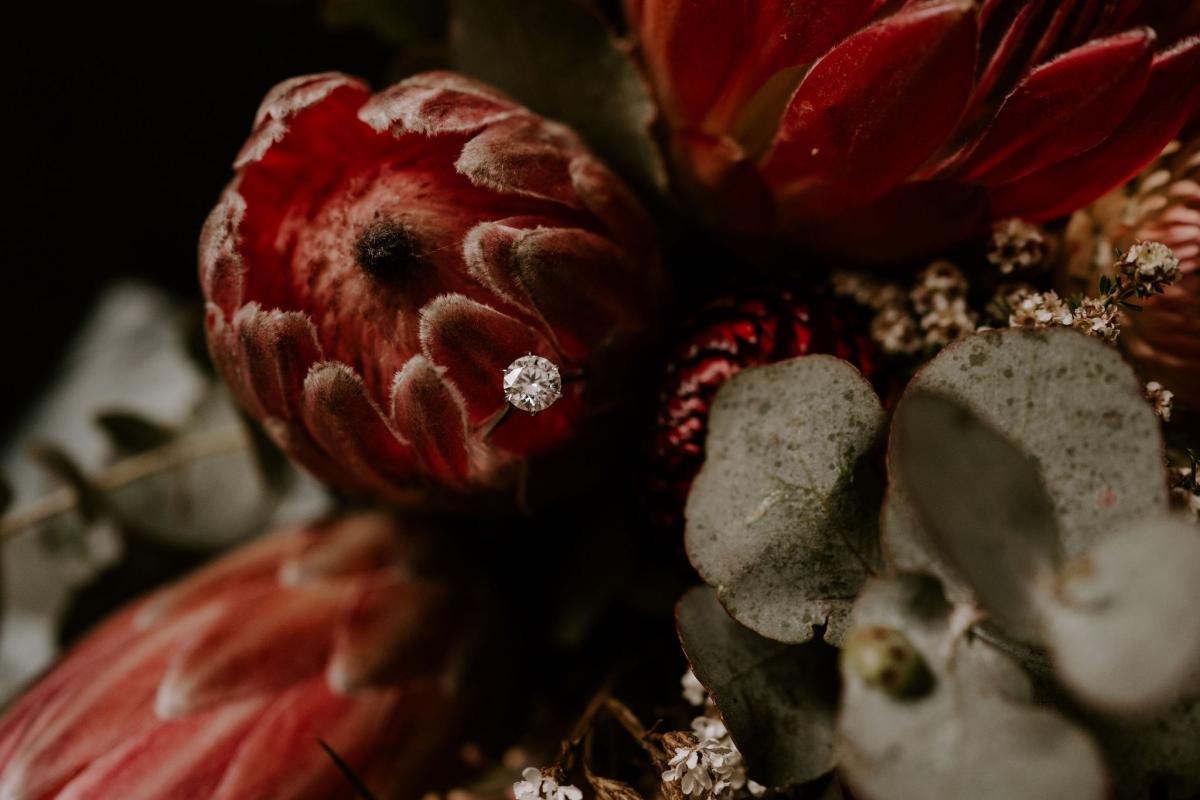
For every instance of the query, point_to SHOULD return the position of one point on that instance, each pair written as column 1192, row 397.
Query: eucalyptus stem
column 186, row 449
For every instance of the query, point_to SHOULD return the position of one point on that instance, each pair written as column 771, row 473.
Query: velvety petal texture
column 380, row 258
column 220, row 685
column 890, row 129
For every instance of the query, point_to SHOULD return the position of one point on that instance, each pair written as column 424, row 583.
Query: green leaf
column 560, row 58
column 781, row 518
column 972, row 735
column 982, row 503
column 777, row 700
column 1065, row 400
column 1121, row 626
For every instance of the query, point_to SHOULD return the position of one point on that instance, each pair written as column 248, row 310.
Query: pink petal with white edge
column 76, row 727
column 606, row 196
column 280, row 757
column 278, row 348
column 1062, row 108
column 226, row 659
column 362, row 543
column 393, row 631
column 284, row 102
column 255, row 563
column 346, row 424
column 436, row 103
column 475, row 343
column 874, row 108
column 433, row 417
column 221, row 267
column 523, row 155
column 181, row 759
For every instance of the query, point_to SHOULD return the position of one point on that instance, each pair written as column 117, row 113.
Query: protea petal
column 874, row 108
column 391, row 631
column 523, row 155
column 435, row 103
column 277, row 350
column 244, row 659
column 347, row 425
column 434, row 418
column 475, row 343
column 290, row 639
column 1064, row 107
column 180, row 759
column 1170, row 95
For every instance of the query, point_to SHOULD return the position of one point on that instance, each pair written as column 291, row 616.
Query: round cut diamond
column 532, row 383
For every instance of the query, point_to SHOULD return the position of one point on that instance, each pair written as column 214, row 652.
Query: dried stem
column 184, row 450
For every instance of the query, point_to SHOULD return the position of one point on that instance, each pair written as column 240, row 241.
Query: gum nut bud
column 381, row 259
column 885, row 659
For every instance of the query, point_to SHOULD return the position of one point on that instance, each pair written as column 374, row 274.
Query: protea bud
column 218, row 687
column 1161, row 206
column 893, row 128
column 380, row 260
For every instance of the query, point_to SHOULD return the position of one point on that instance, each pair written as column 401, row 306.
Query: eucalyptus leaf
column 972, row 735
column 781, row 518
column 130, row 432
column 777, row 700
column 560, row 58
column 982, row 503
column 1065, row 400
column 1121, row 628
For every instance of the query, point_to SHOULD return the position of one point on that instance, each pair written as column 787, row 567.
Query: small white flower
column 537, row 786
column 693, row 690
column 1160, row 399
column 712, row 768
column 709, row 728
column 531, row 787
column 1152, row 265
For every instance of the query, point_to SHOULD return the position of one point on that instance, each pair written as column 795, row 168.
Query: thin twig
column 356, row 783
column 184, row 450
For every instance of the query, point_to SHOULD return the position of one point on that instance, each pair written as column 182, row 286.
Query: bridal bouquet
column 842, row 358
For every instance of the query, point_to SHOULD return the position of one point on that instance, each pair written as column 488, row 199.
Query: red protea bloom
column 887, row 127
column 723, row 338
column 379, row 260
column 218, row 687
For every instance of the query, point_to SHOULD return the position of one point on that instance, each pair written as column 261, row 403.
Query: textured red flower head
column 892, row 127
column 218, row 687
column 379, row 260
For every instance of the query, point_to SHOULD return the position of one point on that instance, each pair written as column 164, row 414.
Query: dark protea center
column 379, row 260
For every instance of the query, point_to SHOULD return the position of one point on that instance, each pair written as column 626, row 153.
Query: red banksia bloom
column 218, row 687
column 887, row 128
column 380, row 259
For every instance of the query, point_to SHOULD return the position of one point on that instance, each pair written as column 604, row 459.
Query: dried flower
column 947, row 319
column 1016, row 246
column 693, row 690
column 1152, row 266
column 1038, row 310
column 866, row 290
column 1097, row 318
column 896, row 331
column 707, row 763
column 1160, row 399
column 537, row 784
column 941, row 279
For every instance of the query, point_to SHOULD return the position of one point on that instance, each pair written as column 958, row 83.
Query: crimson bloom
column 379, row 260
column 886, row 128
column 218, row 687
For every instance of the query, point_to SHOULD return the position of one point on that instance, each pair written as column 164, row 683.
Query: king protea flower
column 379, row 260
column 894, row 127
column 1162, row 205
column 218, row 687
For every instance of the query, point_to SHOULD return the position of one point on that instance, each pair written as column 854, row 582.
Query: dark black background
column 122, row 120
